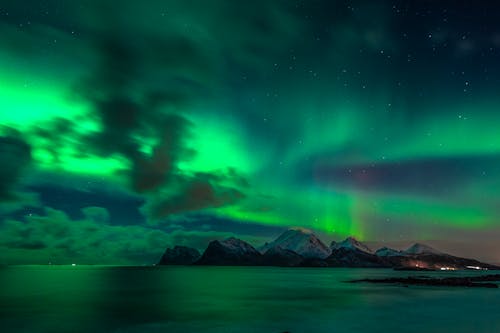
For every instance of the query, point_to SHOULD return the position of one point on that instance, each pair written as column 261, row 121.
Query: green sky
column 181, row 122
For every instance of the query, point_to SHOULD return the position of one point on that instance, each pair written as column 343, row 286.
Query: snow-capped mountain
column 236, row 245
column 421, row 256
column 351, row 243
column 352, row 253
column 301, row 247
column 301, row 241
column 230, row 251
column 387, row 252
column 419, row 248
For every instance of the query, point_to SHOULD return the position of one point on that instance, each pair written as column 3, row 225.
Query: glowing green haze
column 187, row 122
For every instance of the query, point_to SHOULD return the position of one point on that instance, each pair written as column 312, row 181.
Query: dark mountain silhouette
column 300, row 247
column 420, row 256
column 179, row 255
column 230, row 252
column 278, row 256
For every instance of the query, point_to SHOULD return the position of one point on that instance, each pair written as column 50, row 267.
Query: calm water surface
column 233, row 299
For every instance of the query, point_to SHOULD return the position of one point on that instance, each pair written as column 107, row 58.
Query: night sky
column 128, row 126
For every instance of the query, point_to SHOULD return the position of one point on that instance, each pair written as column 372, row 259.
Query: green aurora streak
column 265, row 109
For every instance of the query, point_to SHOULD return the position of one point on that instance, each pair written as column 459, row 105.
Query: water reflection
column 213, row 299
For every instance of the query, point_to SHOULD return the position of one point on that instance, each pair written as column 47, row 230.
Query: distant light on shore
column 475, row 267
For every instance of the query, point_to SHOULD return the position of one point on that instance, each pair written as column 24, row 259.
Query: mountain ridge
column 300, row 247
column 301, row 241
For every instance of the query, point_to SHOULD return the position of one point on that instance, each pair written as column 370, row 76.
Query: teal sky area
column 128, row 127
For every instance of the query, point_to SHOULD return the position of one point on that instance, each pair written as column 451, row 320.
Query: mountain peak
column 353, row 244
column 230, row 251
column 301, row 230
column 353, row 240
column 419, row 248
column 302, row 241
column 236, row 244
column 232, row 239
column 387, row 252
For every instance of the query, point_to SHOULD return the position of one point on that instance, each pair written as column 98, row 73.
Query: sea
column 185, row 299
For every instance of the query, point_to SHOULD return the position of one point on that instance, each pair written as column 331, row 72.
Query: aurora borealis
column 127, row 127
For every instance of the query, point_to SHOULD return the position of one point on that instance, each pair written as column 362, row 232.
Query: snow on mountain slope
column 301, row 241
column 387, row 252
column 419, row 248
column 353, row 244
column 230, row 252
column 236, row 245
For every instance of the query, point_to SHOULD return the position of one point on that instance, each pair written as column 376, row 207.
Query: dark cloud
column 151, row 172
column 127, row 118
column 227, row 176
column 212, row 222
column 196, row 195
column 15, row 156
column 140, row 78
column 54, row 237
column 72, row 194
column 96, row 214
column 428, row 176
column 59, row 239
column 23, row 201
column 139, row 91
column 54, row 135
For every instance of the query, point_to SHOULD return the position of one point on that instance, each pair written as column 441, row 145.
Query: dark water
column 233, row 299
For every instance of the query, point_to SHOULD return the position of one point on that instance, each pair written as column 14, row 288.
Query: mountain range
column 299, row 247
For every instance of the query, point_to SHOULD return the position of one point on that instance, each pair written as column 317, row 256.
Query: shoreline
column 485, row 281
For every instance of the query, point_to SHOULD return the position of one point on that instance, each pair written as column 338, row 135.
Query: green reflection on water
column 232, row 299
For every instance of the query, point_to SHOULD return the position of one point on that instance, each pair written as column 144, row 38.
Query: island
column 485, row 281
